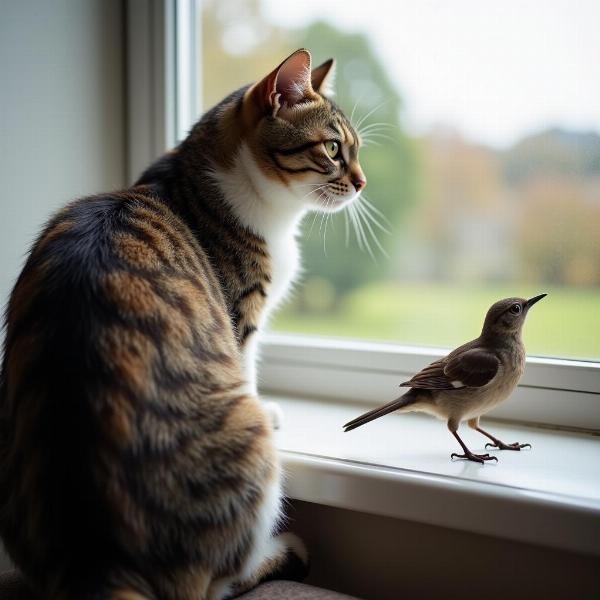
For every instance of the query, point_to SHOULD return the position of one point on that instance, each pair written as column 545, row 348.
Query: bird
column 471, row 380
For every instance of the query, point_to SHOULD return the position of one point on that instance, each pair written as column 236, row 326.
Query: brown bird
column 471, row 380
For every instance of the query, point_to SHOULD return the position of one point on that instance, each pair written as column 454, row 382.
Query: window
column 236, row 41
column 490, row 185
column 483, row 158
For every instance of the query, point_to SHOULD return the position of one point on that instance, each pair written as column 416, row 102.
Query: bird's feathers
column 432, row 377
column 405, row 400
column 474, row 368
column 465, row 367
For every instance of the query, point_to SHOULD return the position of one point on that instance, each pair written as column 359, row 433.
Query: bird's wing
column 432, row 377
column 468, row 368
column 473, row 368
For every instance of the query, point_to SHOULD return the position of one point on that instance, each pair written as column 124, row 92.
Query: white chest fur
column 273, row 212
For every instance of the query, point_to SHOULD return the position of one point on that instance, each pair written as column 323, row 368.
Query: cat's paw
column 275, row 413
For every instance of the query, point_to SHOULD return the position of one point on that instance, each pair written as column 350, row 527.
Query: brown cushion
column 12, row 589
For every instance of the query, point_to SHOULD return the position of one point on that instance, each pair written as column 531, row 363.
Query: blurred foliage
column 565, row 324
column 553, row 152
column 558, row 233
column 238, row 47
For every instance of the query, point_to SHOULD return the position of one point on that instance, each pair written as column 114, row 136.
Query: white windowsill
column 399, row 466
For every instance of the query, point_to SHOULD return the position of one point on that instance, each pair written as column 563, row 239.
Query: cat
column 136, row 460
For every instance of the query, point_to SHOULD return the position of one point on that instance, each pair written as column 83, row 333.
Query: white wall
column 61, row 113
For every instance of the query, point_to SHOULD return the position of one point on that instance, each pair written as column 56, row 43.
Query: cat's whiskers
column 378, row 125
column 365, row 117
column 375, row 130
column 376, row 134
column 370, row 132
column 346, row 229
column 313, row 223
column 365, row 143
column 363, row 221
column 364, row 234
column 371, row 208
column 357, row 232
column 366, row 218
column 328, row 220
column 316, row 212
column 355, row 106
column 320, row 187
column 324, row 212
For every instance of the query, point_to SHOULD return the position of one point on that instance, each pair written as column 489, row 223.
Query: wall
column 377, row 558
column 61, row 115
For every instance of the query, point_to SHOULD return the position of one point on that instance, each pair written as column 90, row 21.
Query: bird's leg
column 496, row 443
column 480, row 458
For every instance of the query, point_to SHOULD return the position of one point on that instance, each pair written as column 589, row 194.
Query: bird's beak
column 535, row 299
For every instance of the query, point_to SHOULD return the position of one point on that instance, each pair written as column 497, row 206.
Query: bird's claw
column 479, row 458
column 502, row 446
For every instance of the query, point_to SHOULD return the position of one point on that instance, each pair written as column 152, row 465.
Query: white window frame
column 163, row 103
column 554, row 392
column 163, row 83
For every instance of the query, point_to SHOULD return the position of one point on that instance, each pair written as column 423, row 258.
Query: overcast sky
column 494, row 70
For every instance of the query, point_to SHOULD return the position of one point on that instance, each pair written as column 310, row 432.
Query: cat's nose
column 359, row 182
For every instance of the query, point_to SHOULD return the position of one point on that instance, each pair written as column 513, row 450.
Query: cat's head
column 294, row 138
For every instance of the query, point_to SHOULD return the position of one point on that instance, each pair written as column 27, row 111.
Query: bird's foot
column 480, row 458
column 502, row 446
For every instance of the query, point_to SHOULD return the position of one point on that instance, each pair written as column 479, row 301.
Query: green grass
column 565, row 324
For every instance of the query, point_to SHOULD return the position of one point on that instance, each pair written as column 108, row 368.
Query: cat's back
column 120, row 372
column 96, row 247
column 116, row 293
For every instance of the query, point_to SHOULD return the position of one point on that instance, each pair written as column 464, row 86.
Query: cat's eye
column 515, row 309
column 332, row 148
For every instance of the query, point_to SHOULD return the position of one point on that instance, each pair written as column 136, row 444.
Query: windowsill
column 399, row 466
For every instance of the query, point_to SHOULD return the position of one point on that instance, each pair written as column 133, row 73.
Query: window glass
column 483, row 162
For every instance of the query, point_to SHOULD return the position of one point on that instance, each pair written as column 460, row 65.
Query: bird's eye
column 332, row 148
column 515, row 309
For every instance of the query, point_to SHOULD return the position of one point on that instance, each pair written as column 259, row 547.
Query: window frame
column 555, row 392
column 163, row 87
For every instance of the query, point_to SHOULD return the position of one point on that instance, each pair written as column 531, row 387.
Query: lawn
column 565, row 324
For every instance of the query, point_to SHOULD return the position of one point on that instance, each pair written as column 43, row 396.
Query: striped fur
column 136, row 461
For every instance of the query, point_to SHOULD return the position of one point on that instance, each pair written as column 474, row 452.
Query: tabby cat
column 136, row 461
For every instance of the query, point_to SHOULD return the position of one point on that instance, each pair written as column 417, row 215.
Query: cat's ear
column 322, row 77
column 289, row 84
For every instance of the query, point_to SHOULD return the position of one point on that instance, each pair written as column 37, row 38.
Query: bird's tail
column 405, row 400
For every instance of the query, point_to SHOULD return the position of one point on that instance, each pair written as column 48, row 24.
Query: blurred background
column 484, row 159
